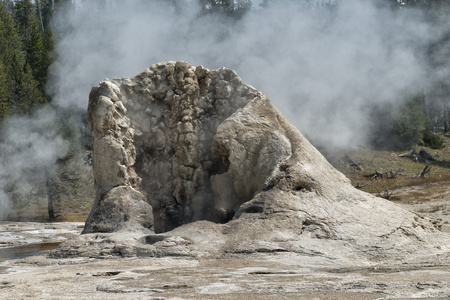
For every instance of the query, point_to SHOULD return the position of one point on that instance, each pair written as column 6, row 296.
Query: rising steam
column 322, row 68
column 29, row 148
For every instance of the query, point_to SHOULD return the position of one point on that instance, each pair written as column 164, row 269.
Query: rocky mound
column 222, row 171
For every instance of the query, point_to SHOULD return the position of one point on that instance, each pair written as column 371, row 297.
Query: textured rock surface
column 122, row 208
column 266, row 275
column 201, row 145
column 155, row 133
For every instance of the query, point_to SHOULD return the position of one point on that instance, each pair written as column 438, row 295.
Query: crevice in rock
column 177, row 159
column 173, row 140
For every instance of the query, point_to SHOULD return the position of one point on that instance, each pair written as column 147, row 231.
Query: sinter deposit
column 210, row 165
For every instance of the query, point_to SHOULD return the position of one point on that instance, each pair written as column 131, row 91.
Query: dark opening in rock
column 159, row 133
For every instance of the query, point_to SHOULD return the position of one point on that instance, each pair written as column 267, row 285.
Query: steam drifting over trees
column 345, row 72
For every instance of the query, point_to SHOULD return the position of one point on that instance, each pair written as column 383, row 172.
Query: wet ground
column 22, row 239
column 26, row 250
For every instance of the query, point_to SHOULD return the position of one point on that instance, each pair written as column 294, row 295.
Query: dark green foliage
column 10, row 41
column 37, row 57
column 25, row 47
column 44, row 12
column 432, row 140
column 410, row 123
column 26, row 44
column 28, row 96
column 24, row 17
column 13, row 59
column 230, row 8
column 4, row 91
column 399, row 127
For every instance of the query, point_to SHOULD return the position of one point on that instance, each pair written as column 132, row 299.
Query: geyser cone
column 198, row 144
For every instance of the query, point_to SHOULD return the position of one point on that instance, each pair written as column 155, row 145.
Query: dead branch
column 385, row 195
column 426, row 170
column 373, row 176
column 389, row 175
column 392, row 175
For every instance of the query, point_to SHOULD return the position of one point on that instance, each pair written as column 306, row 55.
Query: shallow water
column 26, row 250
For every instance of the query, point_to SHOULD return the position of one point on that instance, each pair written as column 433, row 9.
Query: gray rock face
column 155, row 133
column 122, row 208
column 201, row 145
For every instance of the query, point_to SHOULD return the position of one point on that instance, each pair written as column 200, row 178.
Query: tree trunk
column 39, row 8
column 50, row 198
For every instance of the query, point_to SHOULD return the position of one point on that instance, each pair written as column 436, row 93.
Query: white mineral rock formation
column 226, row 173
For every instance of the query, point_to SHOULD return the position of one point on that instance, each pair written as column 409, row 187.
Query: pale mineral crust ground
column 249, row 276
column 243, row 207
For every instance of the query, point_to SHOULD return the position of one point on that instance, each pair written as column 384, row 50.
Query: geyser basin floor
column 268, row 276
column 14, row 234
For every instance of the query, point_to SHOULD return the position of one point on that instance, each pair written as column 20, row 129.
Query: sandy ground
column 256, row 276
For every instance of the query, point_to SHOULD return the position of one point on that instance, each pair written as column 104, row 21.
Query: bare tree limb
column 426, row 170
column 385, row 195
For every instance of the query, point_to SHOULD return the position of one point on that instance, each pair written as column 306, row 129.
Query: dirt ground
column 430, row 199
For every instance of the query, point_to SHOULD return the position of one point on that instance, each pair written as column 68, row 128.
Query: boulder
column 122, row 208
column 227, row 174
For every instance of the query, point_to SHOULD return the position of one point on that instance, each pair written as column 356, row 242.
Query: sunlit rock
column 226, row 173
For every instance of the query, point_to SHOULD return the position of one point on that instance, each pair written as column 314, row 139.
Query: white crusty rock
column 225, row 172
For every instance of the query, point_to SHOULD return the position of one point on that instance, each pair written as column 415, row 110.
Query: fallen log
column 425, row 156
column 411, row 155
column 373, row 176
column 378, row 175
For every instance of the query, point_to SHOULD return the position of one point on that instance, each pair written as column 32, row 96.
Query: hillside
column 424, row 195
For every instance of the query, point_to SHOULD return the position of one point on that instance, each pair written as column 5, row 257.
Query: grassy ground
column 356, row 165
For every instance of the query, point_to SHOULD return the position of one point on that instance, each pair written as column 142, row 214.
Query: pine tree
column 230, row 8
column 36, row 57
column 4, row 92
column 48, row 10
column 25, row 71
column 29, row 97
column 24, row 17
column 48, row 48
column 8, row 5
column 10, row 58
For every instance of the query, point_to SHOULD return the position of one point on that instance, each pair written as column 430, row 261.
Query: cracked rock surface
column 213, row 168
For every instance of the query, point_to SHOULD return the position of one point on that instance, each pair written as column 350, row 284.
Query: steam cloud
column 30, row 147
column 320, row 69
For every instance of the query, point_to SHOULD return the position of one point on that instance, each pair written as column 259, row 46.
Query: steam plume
column 321, row 68
column 30, row 147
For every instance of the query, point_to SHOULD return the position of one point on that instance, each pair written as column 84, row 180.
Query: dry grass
column 80, row 217
column 384, row 161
